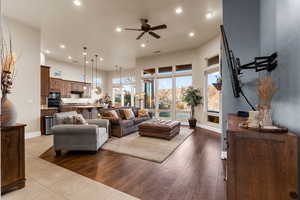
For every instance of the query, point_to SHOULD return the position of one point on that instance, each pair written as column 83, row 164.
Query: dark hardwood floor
column 193, row 172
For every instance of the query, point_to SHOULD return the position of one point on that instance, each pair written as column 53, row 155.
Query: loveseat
column 121, row 127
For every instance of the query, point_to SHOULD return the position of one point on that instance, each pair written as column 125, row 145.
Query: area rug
column 148, row 148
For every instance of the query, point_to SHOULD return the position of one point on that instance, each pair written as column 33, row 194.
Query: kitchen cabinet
column 45, row 80
column 65, row 87
column 56, row 85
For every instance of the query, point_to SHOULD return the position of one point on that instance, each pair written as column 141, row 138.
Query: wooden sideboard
column 12, row 158
column 260, row 166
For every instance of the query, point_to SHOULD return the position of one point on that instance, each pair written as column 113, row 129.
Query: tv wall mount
column 268, row 63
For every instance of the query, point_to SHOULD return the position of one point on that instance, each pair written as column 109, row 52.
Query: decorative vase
column 266, row 116
column 8, row 112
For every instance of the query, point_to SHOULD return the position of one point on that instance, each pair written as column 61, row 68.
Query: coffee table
column 165, row 129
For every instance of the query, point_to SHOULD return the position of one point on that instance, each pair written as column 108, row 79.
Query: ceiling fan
column 147, row 28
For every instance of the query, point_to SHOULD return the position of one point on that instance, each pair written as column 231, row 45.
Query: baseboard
column 218, row 130
column 32, row 134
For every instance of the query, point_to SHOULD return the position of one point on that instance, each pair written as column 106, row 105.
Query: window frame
column 208, row 70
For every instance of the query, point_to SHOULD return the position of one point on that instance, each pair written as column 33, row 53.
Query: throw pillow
column 78, row 119
column 129, row 114
column 114, row 114
column 68, row 120
column 143, row 113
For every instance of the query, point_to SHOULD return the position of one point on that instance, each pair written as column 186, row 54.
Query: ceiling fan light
column 119, row 29
column 143, row 45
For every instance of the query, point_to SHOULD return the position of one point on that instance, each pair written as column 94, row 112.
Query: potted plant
column 193, row 98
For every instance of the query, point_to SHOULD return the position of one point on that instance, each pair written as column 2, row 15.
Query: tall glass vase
column 8, row 112
column 266, row 116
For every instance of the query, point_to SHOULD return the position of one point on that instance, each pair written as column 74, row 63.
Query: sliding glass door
column 182, row 109
column 165, row 98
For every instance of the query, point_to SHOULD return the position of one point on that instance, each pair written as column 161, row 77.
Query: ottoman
column 159, row 129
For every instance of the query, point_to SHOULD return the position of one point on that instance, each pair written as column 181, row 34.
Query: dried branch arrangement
column 8, row 61
column 266, row 91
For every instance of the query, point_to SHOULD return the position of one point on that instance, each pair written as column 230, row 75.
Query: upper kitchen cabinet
column 56, row 85
column 45, row 80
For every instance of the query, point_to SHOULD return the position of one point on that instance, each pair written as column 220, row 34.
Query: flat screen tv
column 232, row 65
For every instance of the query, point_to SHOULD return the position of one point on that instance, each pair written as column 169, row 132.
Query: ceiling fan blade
column 132, row 29
column 141, row 35
column 154, row 35
column 158, row 27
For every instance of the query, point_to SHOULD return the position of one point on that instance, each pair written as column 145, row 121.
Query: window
column 116, row 81
column 149, row 94
column 165, row 97
column 149, row 72
column 165, row 70
column 183, row 68
column 128, row 95
column 182, row 109
column 163, row 93
column 213, row 95
column 213, row 61
column 117, row 97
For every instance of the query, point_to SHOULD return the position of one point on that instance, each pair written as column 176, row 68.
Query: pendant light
column 96, row 66
column 98, row 87
column 92, row 63
column 84, row 66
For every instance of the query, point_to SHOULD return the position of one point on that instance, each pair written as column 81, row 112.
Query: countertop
column 48, row 108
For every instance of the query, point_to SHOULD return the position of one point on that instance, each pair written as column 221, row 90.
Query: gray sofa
column 122, row 127
column 79, row 137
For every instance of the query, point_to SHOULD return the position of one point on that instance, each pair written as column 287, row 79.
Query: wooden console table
column 12, row 158
column 260, row 166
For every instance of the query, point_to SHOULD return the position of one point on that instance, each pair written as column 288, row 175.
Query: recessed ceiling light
column 77, row 3
column 62, row 46
column 70, row 57
column 47, row 51
column 178, row 10
column 191, row 34
column 87, row 62
column 209, row 15
column 101, row 59
column 143, row 45
column 119, row 29
column 84, row 53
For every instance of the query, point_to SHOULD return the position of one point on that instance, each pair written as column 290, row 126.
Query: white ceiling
column 93, row 24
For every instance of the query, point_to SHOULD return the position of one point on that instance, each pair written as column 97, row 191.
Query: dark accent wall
column 280, row 31
column 241, row 22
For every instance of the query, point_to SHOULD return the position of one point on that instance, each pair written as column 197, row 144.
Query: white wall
column 73, row 72
column 197, row 57
column 26, row 91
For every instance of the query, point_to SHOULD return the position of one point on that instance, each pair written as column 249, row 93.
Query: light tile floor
column 46, row 181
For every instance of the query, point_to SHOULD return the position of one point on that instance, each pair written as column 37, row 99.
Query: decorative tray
column 267, row 129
